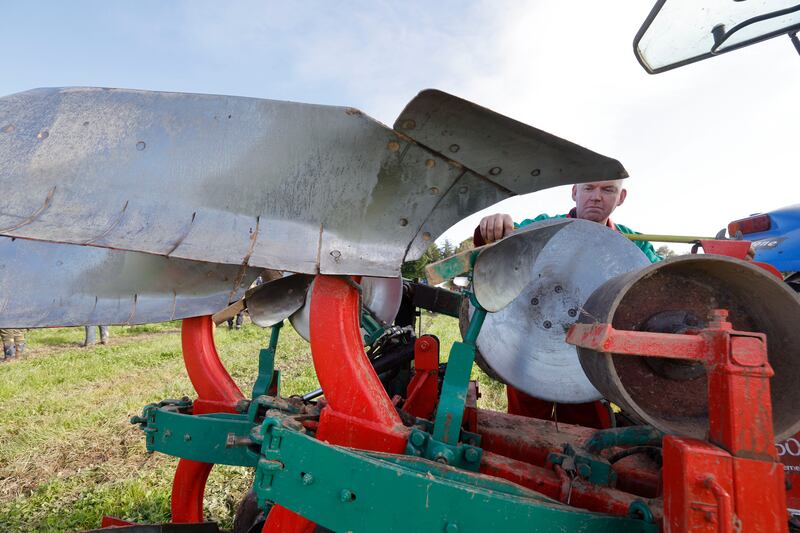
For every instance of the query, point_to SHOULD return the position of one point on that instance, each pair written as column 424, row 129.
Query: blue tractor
column 776, row 239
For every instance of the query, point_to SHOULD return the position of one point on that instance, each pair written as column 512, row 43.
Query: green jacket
column 645, row 246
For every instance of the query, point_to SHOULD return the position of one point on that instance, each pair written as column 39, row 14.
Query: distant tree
column 416, row 269
column 665, row 251
column 447, row 249
column 466, row 244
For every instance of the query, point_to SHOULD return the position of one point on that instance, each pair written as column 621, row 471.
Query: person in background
column 13, row 342
column 91, row 337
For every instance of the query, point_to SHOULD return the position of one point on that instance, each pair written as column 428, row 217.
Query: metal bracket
column 465, row 455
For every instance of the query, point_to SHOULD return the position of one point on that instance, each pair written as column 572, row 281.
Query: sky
column 704, row 144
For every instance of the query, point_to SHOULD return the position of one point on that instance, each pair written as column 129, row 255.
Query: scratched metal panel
column 410, row 186
column 516, row 156
column 49, row 284
column 232, row 180
column 468, row 195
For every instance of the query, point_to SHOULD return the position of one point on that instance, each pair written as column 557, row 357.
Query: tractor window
column 678, row 32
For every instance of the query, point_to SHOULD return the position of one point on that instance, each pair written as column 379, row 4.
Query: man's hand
column 495, row 227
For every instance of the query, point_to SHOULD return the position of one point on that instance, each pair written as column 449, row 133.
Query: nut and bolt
column 451, row 527
column 346, row 496
column 471, row 455
column 454, row 148
column 535, row 172
column 494, row 171
column 308, row 479
column 444, row 456
column 417, row 438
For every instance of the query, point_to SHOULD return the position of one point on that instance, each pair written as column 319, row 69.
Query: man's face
column 596, row 201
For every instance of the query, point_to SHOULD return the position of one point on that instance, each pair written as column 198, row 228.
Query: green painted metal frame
column 347, row 490
column 219, row 438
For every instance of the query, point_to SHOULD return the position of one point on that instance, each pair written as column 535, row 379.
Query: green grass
column 68, row 455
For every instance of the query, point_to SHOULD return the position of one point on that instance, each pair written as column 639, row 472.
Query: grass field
column 67, row 452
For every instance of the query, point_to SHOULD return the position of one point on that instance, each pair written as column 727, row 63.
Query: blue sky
column 704, row 144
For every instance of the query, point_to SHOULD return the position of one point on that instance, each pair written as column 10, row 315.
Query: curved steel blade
column 513, row 155
column 274, row 301
column 281, row 185
column 524, row 342
column 503, row 270
column 47, row 284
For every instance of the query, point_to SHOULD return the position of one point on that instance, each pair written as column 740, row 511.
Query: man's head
column 596, row 201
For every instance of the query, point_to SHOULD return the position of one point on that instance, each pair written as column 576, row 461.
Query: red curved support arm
column 359, row 413
column 216, row 392
column 188, row 488
column 351, row 386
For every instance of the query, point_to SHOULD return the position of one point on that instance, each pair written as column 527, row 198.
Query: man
column 593, row 201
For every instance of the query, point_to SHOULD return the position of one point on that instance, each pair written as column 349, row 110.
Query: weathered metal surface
column 547, row 271
column 382, row 296
column 504, row 270
column 282, row 185
column 276, row 300
column 508, row 152
column 757, row 302
column 348, row 490
column 48, row 284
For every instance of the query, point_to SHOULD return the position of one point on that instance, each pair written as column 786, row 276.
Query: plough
column 122, row 206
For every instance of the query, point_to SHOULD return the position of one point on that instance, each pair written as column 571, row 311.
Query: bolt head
column 471, row 455
column 451, row 527
column 417, row 438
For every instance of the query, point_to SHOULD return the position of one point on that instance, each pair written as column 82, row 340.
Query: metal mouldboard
column 282, row 185
column 47, row 284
